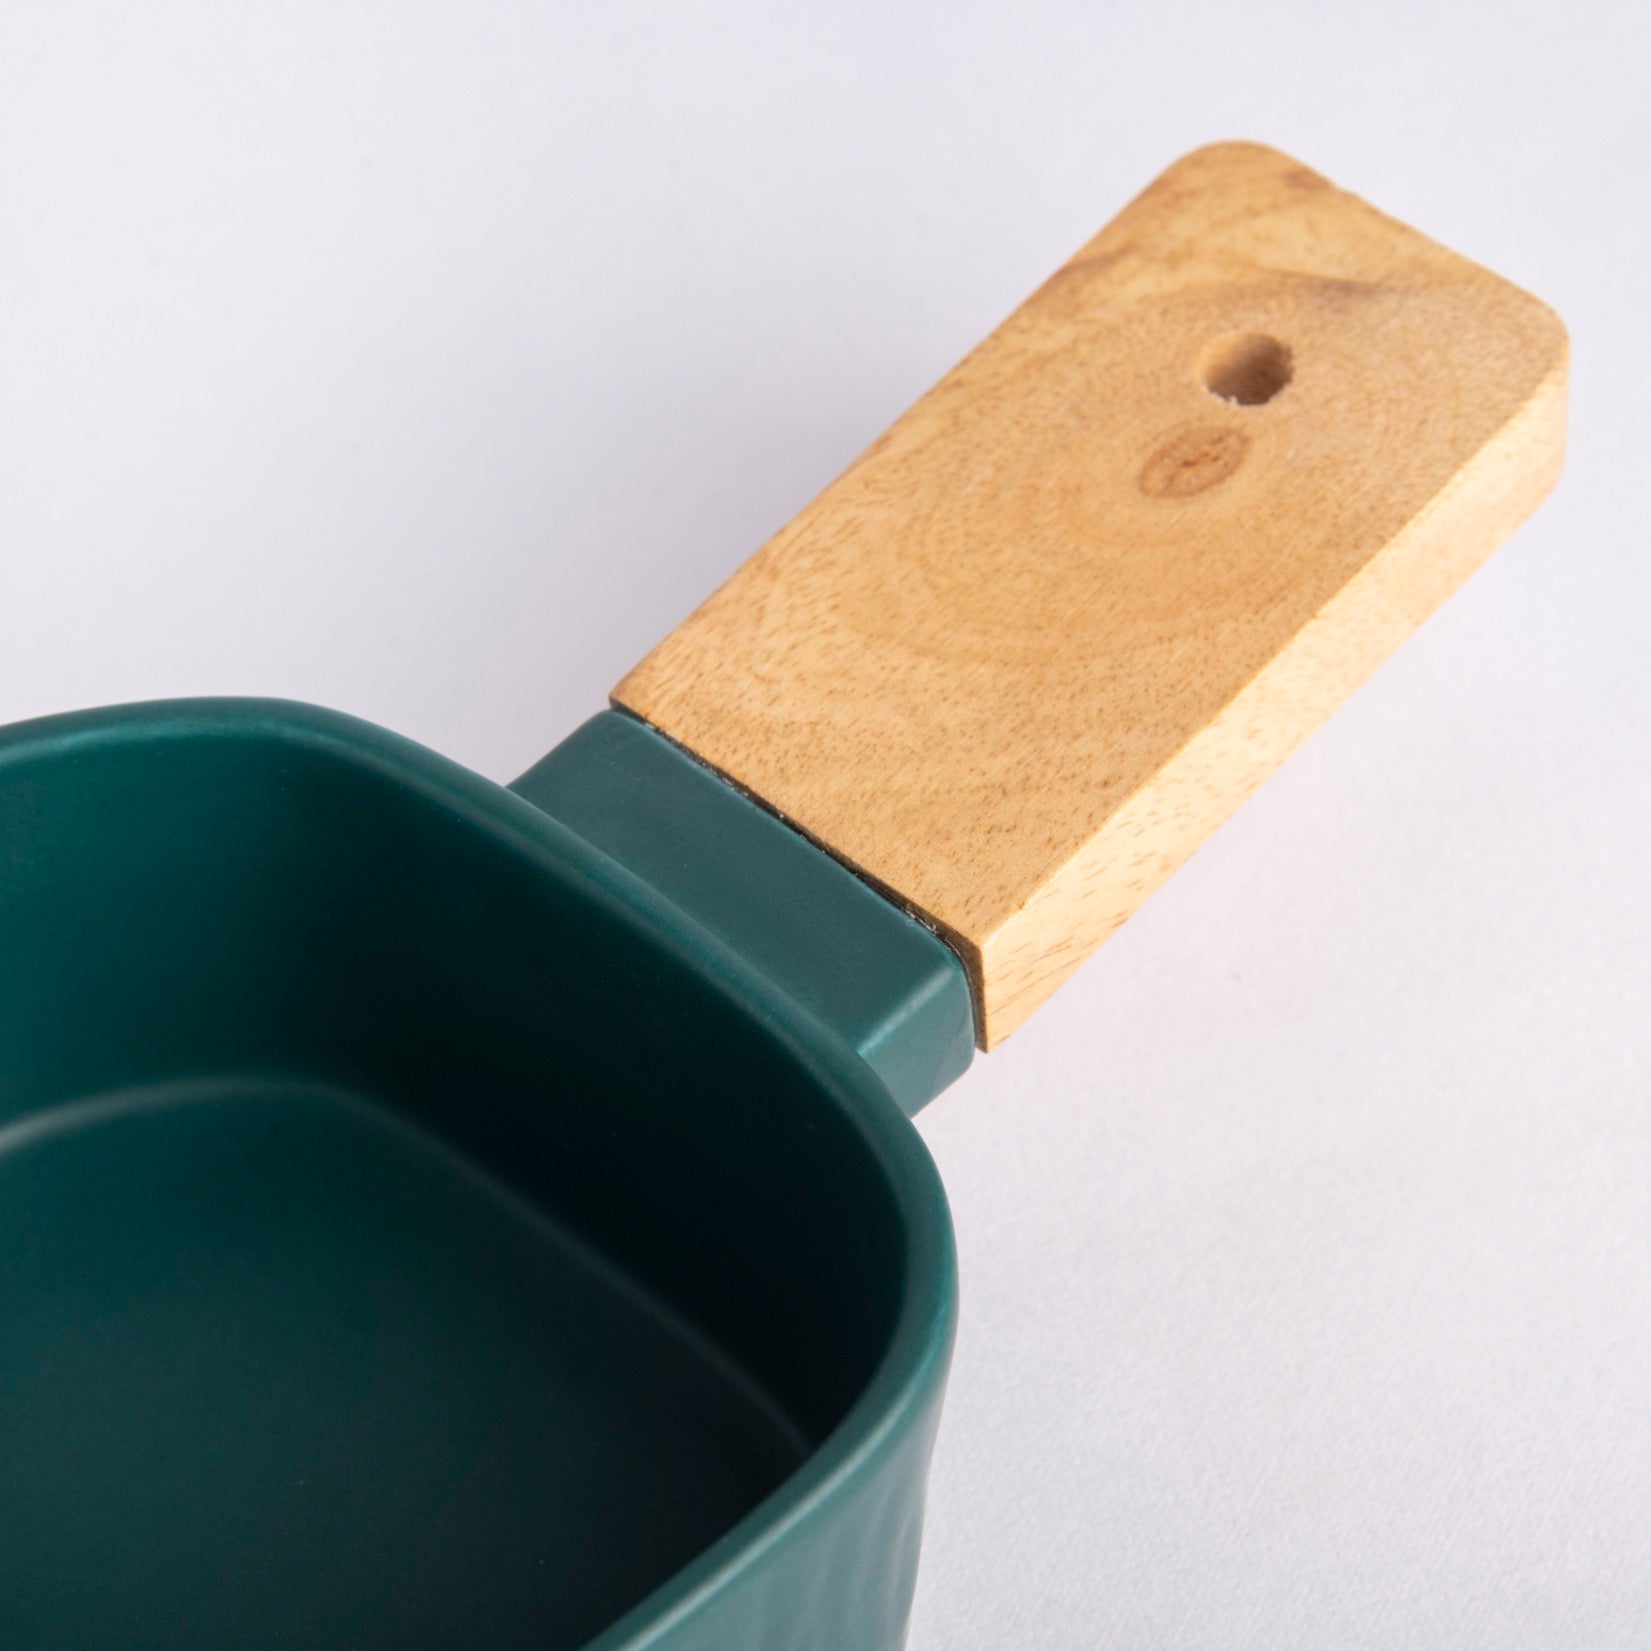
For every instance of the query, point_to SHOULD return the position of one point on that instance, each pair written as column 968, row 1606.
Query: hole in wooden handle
column 1246, row 368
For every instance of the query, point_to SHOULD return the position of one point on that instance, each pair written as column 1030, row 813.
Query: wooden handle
column 1046, row 634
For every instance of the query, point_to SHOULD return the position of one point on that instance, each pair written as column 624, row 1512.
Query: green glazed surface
column 415, row 1230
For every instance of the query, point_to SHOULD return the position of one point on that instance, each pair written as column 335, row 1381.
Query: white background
column 431, row 361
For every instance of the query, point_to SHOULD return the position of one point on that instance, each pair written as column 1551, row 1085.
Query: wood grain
column 1051, row 629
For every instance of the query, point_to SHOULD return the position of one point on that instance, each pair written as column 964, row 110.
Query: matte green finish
column 890, row 987
column 415, row 1231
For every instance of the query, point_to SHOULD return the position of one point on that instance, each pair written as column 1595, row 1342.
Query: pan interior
column 398, row 1247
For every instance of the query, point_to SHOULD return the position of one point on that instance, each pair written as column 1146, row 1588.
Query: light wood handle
column 1045, row 635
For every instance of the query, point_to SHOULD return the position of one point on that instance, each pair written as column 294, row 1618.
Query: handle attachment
column 1049, row 631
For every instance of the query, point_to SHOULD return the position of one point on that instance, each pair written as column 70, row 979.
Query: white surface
column 432, row 362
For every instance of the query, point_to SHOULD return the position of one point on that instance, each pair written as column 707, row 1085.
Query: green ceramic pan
column 434, row 1214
